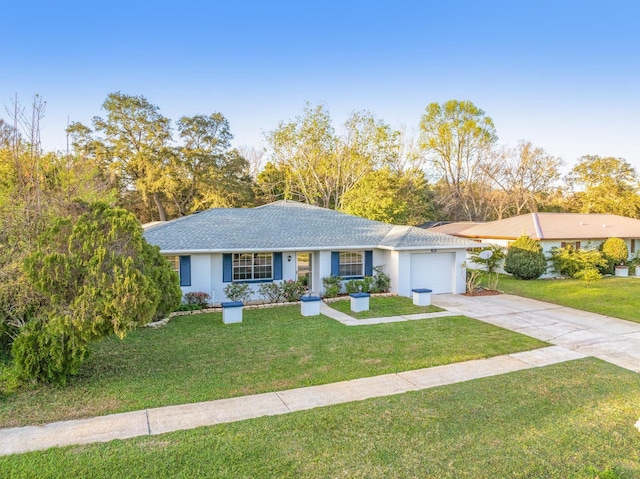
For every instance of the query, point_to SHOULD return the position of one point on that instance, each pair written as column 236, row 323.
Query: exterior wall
column 289, row 266
column 324, row 268
column 403, row 273
column 200, row 274
column 460, row 272
column 206, row 272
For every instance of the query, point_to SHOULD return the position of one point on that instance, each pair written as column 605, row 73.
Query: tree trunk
column 161, row 212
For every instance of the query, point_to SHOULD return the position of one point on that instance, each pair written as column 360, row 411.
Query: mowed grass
column 570, row 420
column 382, row 307
column 616, row 297
column 197, row 358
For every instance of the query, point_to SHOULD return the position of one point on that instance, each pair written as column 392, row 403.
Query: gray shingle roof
column 288, row 225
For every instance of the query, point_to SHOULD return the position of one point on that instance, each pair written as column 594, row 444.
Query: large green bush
column 569, row 261
column 100, row 277
column 525, row 259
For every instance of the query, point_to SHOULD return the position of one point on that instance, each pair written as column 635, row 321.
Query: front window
column 252, row 266
column 351, row 263
column 174, row 261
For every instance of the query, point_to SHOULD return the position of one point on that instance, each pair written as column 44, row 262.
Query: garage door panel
column 433, row 271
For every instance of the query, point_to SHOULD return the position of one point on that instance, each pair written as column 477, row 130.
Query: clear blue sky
column 562, row 74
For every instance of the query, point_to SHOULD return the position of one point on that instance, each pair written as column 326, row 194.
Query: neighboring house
column 286, row 240
column 553, row 230
column 449, row 228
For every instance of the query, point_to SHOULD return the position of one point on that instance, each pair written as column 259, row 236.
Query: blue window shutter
column 368, row 263
column 227, row 268
column 277, row 265
column 185, row 270
column 335, row 263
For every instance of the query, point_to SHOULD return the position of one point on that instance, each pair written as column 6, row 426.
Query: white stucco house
column 580, row 230
column 286, row 240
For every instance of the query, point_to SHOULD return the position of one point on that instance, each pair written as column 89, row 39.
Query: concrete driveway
column 613, row 340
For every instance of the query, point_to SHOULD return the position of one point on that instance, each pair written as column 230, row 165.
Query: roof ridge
column 536, row 225
column 393, row 228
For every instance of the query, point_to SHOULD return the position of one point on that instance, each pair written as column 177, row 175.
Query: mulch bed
column 483, row 292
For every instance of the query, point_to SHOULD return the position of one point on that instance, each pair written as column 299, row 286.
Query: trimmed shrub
column 615, row 249
column 525, row 259
column 367, row 285
column 332, row 286
column 526, row 243
column 198, row 298
column 588, row 275
column 381, row 281
column 238, row 292
column 270, row 292
column 353, row 286
column 292, row 290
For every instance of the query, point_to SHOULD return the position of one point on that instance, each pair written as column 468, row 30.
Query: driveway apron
column 613, row 340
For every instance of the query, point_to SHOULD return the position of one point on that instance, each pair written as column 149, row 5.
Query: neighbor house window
column 573, row 244
column 252, row 266
column 351, row 263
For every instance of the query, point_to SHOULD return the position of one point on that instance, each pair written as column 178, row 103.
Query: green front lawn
column 570, row 420
column 197, row 358
column 384, row 306
column 617, row 297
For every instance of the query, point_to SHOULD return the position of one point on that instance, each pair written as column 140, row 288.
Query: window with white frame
column 174, row 261
column 351, row 263
column 252, row 266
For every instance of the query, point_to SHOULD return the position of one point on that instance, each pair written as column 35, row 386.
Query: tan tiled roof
column 556, row 226
column 454, row 228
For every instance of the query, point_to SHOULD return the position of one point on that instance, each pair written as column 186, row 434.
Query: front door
column 304, row 269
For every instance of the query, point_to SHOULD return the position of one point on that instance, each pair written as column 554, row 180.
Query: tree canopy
column 134, row 145
column 456, row 137
column 100, row 277
column 604, row 185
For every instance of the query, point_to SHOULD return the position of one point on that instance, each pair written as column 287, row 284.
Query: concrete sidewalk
column 188, row 416
column 613, row 340
column 575, row 334
column 351, row 321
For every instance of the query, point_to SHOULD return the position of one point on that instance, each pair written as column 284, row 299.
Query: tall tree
column 367, row 144
column 604, row 185
column 390, row 196
column 318, row 165
column 525, row 176
column 205, row 172
column 304, row 150
column 135, row 144
column 455, row 138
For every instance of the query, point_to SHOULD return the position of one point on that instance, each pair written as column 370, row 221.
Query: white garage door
column 433, row 271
